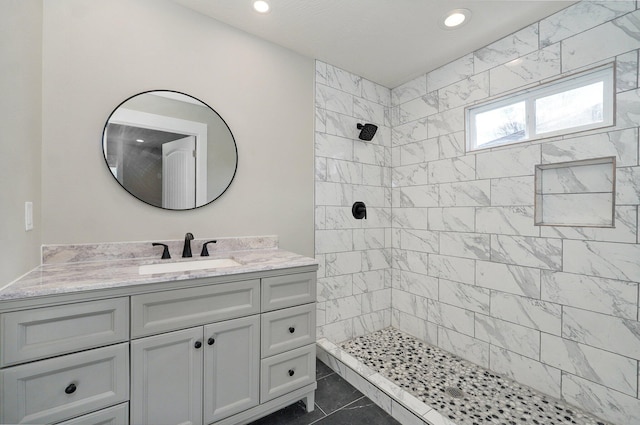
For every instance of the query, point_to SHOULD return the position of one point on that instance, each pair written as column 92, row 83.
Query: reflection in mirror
column 170, row 150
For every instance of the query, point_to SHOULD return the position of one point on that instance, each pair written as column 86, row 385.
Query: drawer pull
column 71, row 388
column 198, row 344
column 291, row 372
column 211, row 341
column 292, row 330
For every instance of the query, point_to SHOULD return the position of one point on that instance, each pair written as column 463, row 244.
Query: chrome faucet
column 186, row 251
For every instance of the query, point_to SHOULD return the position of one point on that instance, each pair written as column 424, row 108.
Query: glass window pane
column 571, row 108
column 500, row 126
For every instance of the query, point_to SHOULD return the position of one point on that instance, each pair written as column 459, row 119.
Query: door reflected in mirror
column 170, row 150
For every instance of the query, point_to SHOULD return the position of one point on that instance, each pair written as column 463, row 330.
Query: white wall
column 20, row 134
column 98, row 53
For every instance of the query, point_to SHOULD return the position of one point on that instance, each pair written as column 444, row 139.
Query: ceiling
column 386, row 41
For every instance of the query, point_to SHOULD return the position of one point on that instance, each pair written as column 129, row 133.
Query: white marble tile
column 369, row 111
column 419, row 196
column 340, row 309
column 602, row 331
column 410, row 175
column 453, row 219
column 603, row 367
column 603, row 259
column 614, row 297
column 320, row 218
column 451, row 317
column 373, row 196
column 434, row 418
column 375, row 175
column 369, row 239
column 376, row 259
column 449, row 170
column 410, row 132
column 321, row 73
column 527, row 251
column 367, row 153
column 414, row 326
column 376, row 301
column 334, row 100
column 508, row 278
column 532, row 313
column 371, row 322
column 537, row 375
column 465, row 194
column 409, row 90
column 404, row 416
column 446, row 122
column 464, row 92
column 418, row 152
column 466, row 245
column 343, row 263
column 376, row 93
column 418, row 284
column 518, row 161
column 420, row 107
column 412, row 261
column 628, row 185
column 580, row 17
column 454, row 71
column 608, row 404
column 628, row 109
column 621, row 144
column 507, row 335
column 577, row 209
column 596, row 44
column 371, row 281
column 512, row 191
column 338, row 331
column 336, row 194
column 333, row 287
column 506, row 221
column 469, row 297
column 410, row 218
column 341, row 125
column 452, row 268
column 469, row 348
column 419, row 240
column 627, row 71
column 506, row 49
column 340, row 218
column 333, row 241
column 526, row 70
column 344, row 171
column 409, row 303
column 451, row 145
column 343, row 80
column 320, row 120
column 577, row 179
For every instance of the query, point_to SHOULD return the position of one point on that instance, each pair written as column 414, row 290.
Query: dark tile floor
column 337, row 403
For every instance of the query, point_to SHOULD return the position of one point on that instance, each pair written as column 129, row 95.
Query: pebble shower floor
column 458, row 389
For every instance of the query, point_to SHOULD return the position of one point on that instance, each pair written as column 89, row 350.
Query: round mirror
column 170, row 150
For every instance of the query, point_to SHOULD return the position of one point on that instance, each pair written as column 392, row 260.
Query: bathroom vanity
column 93, row 342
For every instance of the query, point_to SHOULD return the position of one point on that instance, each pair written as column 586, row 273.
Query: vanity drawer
column 46, row 332
column 288, row 291
column 286, row 372
column 171, row 310
column 283, row 330
column 116, row 415
column 64, row 387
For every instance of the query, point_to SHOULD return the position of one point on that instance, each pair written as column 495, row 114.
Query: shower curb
column 400, row 404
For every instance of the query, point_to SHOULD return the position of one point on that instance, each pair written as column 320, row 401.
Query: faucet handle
column 205, row 251
column 165, row 251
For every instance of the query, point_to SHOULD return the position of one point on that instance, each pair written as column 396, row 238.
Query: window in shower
column 571, row 104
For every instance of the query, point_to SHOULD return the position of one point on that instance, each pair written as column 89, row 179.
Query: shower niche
column 576, row 193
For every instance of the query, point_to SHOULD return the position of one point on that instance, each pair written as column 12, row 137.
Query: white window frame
column 604, row 74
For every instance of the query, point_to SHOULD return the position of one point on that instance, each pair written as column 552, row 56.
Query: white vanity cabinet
column 222, row 350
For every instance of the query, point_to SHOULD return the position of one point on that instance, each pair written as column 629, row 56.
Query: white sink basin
column 187, row 266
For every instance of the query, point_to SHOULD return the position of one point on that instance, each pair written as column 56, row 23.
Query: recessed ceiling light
column 261, row 6
column 455, row 18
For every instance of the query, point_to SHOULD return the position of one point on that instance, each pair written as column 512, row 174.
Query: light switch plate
column 28, row 216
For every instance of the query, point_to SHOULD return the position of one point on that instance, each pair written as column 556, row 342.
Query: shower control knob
column 292, row 330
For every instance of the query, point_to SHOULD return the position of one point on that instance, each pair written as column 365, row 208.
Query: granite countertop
column 73, row 277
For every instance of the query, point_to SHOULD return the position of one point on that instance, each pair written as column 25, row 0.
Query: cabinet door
column 231, row 367
column 166, row 378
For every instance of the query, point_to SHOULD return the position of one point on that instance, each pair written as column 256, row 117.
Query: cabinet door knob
column 292, row 329
column 291, row 372
column 211, row 341
column 71, row 388
column 198, row 344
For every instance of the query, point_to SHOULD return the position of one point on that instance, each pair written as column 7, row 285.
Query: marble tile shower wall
column 354, row 277
column 555, row 308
